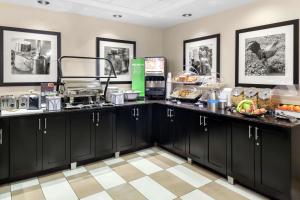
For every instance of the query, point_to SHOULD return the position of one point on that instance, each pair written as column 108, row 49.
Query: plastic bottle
column 169, row 86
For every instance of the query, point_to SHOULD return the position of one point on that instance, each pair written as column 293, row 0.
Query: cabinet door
column 143, row 128
column 25, row 145
column 125, row 129
column 216, row 131
column 272, row 161
column 82, row 131
column 178, row 130
column 242, row 153
column 197, row 148
column 56, row 141
column 105, row 138
column 4, row 149
column 165, row 139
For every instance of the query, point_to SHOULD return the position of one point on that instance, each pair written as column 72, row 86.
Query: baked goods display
column 186, row 77
column 185, row 92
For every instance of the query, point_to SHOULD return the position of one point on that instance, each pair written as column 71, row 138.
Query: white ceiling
column 157, row 13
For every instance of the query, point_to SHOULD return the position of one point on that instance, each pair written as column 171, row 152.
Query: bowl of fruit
column 249, row 109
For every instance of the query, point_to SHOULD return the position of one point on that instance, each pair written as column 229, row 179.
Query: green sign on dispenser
column 138, row 75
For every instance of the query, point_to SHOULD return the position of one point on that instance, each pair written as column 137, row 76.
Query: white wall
column 226, row 23
column 78, row 33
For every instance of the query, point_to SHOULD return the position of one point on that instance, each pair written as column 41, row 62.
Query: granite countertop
column 267, row 119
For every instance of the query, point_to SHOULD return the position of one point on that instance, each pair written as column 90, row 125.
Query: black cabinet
column 133, row 127
column 260, row 158
column 208, row 141
column 82, row 132
column 56, row 140
column 172, row 132
column 4, row 149
column 104, row 132
column 25, row 145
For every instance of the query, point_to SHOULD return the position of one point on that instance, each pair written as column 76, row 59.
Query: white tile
column 24, row 184
column 145, row 165
column 78, row 170
column 241, row 190
column 5, row 196
column 98, row 196
column 107, row 177
column 112, row 161
column 145, row 152
column 58, row 189
column 174, row 158
column 189, row 176
column 196, row 194
column 151, row 189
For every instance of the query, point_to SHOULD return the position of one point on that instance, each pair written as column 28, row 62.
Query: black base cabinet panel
column 82, row 131
column 4, row 149
column 133, row 127
column 25, row 145
column 105, row 133
column 260, row 158
column 208, row 141
column 56, row 141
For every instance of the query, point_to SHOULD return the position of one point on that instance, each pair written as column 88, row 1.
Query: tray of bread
column 187, row 78
column 186, row 93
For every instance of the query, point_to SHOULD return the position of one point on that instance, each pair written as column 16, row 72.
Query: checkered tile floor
column 152, row 174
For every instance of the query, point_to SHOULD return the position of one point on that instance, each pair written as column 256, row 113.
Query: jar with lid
column 264, row 99
column 237, row 95
column 251, row 94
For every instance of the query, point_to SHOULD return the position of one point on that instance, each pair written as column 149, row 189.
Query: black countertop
column 267, row 119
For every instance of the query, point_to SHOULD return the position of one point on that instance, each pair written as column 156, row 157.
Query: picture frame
column 120, row 53
column 28, row 57
column 268, row 55
column 203, row 54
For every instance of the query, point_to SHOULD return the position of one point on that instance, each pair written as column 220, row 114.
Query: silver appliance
column 81, row 92
column 23, row 101
column 8, row 102
column 155, row 77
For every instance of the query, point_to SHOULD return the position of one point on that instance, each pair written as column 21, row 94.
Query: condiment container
column 237, row 95
column 117, row 98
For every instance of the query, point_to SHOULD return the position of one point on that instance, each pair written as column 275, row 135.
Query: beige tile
column 4, row 188
column 172, row 183
column 162, row 161
column 128, row 172
column 118, row 164
column 95, row 165
column 129, row 156
column 151, row 155
column 125, row 192
column 32, row 193
column 204, row 172
column 50, row 177
column 84, row 185
column 219, row 192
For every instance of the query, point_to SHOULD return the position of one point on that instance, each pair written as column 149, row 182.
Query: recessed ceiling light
column 117, row 16
column 187, row 15
column 43, row 2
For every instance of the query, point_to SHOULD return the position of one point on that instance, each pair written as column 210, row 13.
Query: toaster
column 23, row 101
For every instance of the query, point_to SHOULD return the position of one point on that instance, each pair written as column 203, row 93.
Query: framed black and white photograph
column 120, row 53
column 202, row 55
column 28, row 57
column 267, row 55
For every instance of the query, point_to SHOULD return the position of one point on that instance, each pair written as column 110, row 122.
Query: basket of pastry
column 187, row 78
column 186, row 93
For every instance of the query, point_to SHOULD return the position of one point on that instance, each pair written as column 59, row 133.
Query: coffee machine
column 155, row 77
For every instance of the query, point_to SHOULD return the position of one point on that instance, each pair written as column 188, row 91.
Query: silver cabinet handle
column 134, row 112
column 137, row 112
column 200, row 120
column 256, row 133
column 168, row 112
column 171, row 113
column 45, row 120
column 205, row 121
column 1, row 136
column 250, row 134
column 93, row 117
column 98, row 117
column 39, row 124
